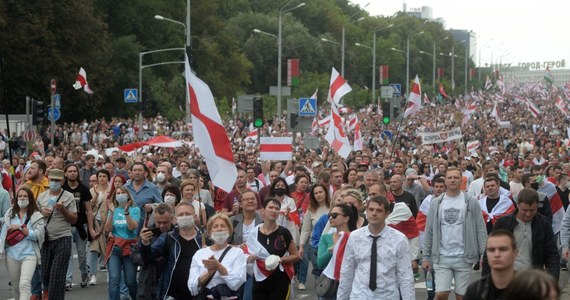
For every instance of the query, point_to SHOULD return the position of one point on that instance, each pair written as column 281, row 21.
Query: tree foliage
column 44, row 40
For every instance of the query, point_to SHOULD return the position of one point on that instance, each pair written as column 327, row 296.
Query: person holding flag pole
column 414, row 105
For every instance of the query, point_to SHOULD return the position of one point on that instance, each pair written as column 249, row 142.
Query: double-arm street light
column 282, row 10
column 341, row 50
column 187, row 30
column 373, row 48
column 434, row 56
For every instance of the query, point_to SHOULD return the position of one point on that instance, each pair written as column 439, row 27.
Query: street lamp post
column 435, row 56
column 279, row 51
column 341, row 49
column 348, row 21
column 411, row 34
column 466, row 71
column 373, row 48
column 188, row 45
column 141, row 67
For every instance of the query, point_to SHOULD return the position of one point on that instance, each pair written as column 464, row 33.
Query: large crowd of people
column 367, row 224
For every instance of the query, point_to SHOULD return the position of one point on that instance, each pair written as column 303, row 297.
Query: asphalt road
column 100, row 290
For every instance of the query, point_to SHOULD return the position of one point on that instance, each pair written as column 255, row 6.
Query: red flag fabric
column 338, row 87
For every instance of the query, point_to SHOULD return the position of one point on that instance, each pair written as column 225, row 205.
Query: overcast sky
column 519, row 31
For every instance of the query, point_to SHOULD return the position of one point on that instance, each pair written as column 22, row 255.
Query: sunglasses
column 334, row 215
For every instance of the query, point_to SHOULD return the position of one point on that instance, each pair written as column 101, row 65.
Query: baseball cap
column 55, row 174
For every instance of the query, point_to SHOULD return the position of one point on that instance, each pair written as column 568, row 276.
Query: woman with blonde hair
column 22, row 256
column 218, row 270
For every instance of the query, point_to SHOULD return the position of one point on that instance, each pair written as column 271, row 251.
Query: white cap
column 271, row 262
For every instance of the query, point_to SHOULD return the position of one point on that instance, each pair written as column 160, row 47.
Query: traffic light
column 38, row 112
column 258, row 112
column 293, row 122
column 386, row 112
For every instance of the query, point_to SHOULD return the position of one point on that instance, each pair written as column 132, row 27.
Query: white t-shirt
column 452, row 212
column 248, row 230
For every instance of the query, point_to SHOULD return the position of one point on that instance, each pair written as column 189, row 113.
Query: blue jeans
column 302, row 266
column 81, row 247
column 247, row 288
column 37, row 281
column 117, row 263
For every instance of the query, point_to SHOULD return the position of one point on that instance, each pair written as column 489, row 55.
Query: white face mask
column 23, row 203
column 220, row 237
column 170, row 200
column 185, row 221
column 160, row 177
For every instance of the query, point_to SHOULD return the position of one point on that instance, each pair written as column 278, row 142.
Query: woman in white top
column 319, row 205
column 214, row 274
column 188, row 189
column 22, row 258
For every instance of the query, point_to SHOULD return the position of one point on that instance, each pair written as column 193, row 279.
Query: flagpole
column 397, row 137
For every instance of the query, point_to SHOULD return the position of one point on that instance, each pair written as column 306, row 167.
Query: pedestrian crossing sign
column 307, row 107
column 131, row 95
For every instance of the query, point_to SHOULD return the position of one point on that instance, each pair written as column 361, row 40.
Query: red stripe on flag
column 275, row 148
column 215, row 130
column 337, row 83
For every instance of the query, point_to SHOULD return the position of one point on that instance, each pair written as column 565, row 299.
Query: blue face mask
column 55, row 186
column 122, row 198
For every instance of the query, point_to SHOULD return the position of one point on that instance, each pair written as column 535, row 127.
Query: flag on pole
column 209, row 132
column 81, row 81
column 315, row 124
column 488, row 83
column 325, row 122
column 532, row 108
column 352, row 123
column 495, row 114
column 358, row 141
column 426, row 99
column 548, row 76
column 414, row 99
column 336, row 136
column 561, row 105
column 338, row 87
column 469, row 109
column 276, row 148
column 442, row 91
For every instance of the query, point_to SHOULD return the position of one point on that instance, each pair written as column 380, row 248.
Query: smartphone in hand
column 156, row 231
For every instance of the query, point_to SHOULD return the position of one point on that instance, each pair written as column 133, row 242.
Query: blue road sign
column 131, row 95
column 57, row 100
column 307, row 107
column 397, row 89
column 55, row 115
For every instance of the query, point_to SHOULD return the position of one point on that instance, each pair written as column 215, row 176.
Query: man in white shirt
column 516, row 183
column 382, row 271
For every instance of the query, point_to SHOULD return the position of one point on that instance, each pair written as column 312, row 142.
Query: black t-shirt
column 484, row 287
column 563, row 196
column 276, row 242
column 491, row 203
column 179, row 281
column 410, row 201
column 82, row 195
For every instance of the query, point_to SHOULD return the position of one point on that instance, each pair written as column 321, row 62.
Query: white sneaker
column 93, row 280
column 302, row 286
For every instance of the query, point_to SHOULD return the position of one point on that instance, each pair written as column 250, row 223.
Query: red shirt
column 302, row 200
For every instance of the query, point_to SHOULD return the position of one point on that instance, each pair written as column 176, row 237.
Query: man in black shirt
column 562, row 189
column 84, row 225
column 396, row 186
column 501, row 252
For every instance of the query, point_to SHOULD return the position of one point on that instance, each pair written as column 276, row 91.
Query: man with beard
column 36, row 181
column 84, row 224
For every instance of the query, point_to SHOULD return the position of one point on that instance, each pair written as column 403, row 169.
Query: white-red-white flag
column 426, row 99
column 561, row 105
column 533, row 109
column 495, row 114
column 315, row 124
column 352, row 123
column 276, row 148
column 81, row 81
column 358, row 140
column 336, row 136
column 414, row 99
column 325, row 122
column 469, row 109
column 252, row 135
column 338, row 87
column 473, row 145
column 209, row 132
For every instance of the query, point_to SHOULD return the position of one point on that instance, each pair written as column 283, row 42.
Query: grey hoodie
column 474, row 231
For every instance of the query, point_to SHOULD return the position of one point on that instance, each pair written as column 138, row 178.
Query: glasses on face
column 334, row 215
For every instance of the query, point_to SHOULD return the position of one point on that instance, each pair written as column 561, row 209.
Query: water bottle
column 429, row 281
